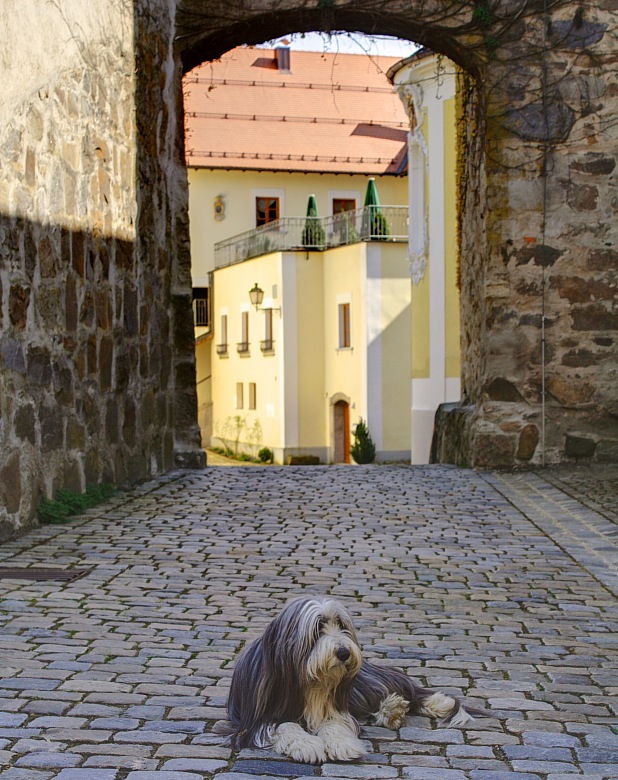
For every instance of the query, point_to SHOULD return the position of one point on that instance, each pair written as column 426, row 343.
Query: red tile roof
column 331, row 113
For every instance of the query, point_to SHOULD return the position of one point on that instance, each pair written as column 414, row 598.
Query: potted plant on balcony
column 375, row 224
column 313, row 236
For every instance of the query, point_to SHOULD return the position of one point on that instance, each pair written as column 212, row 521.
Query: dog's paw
column 392, row 711
column 341, row 742
column 293, row 741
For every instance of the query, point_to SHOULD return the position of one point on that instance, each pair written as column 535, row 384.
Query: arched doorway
column 522, row 383
column 341, row 432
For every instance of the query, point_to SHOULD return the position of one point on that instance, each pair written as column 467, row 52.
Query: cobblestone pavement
column 492, row 586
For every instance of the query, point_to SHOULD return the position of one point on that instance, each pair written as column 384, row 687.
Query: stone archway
column 97, row 379
column 539, row 317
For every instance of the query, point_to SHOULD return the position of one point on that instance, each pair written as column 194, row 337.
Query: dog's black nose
column 342, row 653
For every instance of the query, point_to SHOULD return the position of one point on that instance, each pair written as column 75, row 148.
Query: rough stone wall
column 539, row 228
column 94, row 290
column 552, row 233
column 97, row 378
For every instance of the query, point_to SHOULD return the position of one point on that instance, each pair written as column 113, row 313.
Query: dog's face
column 321, row 636
column 336, row 653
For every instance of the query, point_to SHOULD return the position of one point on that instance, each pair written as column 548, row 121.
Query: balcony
column 242, row 347
column 315, row 234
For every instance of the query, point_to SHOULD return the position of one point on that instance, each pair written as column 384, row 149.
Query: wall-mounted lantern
column 256, row 296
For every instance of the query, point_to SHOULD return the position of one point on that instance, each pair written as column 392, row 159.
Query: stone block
column 24, row 423
column 39, row 366
column 47, row 258
column 86, row 313
column 63, row 384
column 539, row 254
column 129, row 424
column 91, row 355
column 579, row 446
column 189, row 459
column 501, row 389
column 493, row 450
column 77, row 252
column 602, row 260
column 532, row 122
column 52, row 425
column 10, row 482
column 70, row 304
column 182, row 318
column 131, row 323
column 596, row 163
column 103, row 308
column 72, row 477
column 303, row 460
column 106, row 359
column 577, row 35
column 19, row 300
column 124, row 254
column 92, row 468
column 147, row 409
column 528, row 440
column 13, row 355
column 579, row 358
column 76, row 435
column 582, row 197
column 569, row 391
column 607, row 451
column 595, row 316
column 112, row 421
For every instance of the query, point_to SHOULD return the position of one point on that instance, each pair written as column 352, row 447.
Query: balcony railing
column 289, row 234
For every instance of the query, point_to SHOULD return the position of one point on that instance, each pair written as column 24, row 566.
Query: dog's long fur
column 302, row 688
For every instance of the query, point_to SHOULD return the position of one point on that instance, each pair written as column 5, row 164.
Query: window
column 243, row 346
column 268, row 344
column 222, row 346
column 239, row 395
column 201, row 308
column 343, row 204
column 252, row 396
column 266, row 210
column 344, row 326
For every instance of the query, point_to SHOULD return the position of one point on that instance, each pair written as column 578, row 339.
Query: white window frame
column 267, row 193
column 342, row 300
column 334, row 195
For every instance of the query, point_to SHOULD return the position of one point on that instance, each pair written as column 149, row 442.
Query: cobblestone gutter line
column 589, row 537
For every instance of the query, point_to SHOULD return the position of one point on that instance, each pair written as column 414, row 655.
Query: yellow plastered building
column 332, row 340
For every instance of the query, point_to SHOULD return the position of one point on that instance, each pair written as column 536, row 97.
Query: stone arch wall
column 97, row 369
column 538, row 198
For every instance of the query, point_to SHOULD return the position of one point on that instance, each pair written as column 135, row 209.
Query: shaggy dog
column 302, row 687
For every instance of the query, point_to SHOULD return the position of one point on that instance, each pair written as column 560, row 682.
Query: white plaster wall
column 43, row 38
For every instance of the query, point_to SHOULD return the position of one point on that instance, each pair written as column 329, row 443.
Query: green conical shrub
column 363, row 450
